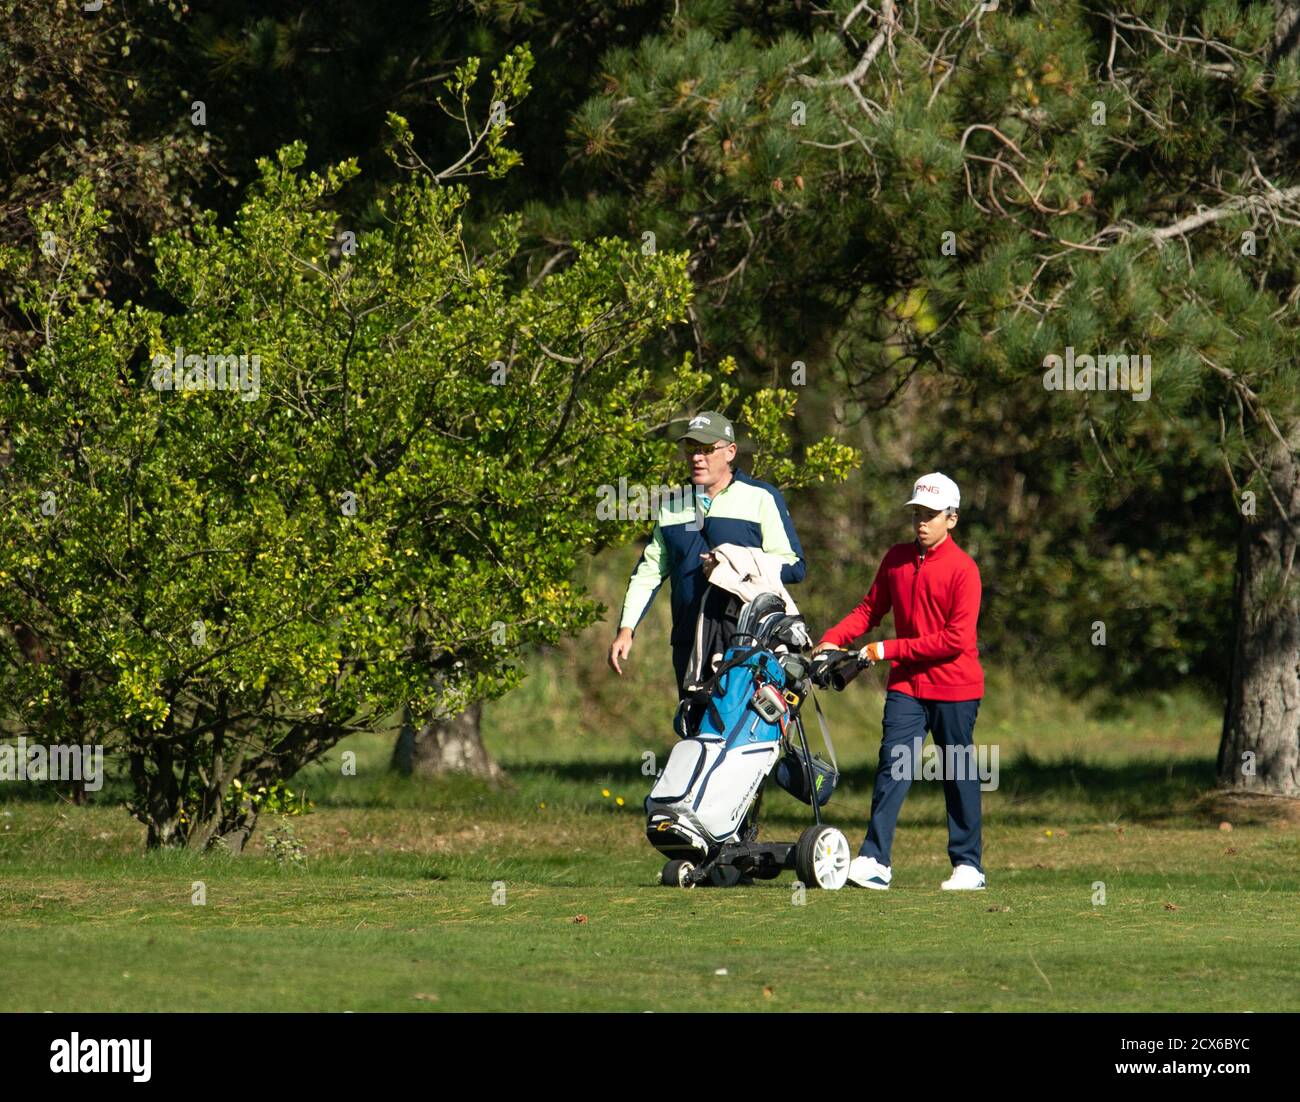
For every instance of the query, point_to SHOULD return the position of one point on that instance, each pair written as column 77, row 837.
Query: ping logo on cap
column 935, row 490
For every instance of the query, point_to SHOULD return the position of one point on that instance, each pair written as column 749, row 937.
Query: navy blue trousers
column 905, row 725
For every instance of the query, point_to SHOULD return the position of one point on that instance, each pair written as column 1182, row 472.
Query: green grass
column 393, row 908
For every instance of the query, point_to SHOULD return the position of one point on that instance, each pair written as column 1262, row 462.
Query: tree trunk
column 200, row 824
column 1260, row 749
column 444, row 745
column 235, row 831
column 157, row 796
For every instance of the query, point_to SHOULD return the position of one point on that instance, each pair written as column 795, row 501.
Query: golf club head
column 762, row 607
column 795, row 667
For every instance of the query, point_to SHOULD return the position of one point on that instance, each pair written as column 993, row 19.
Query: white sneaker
column 867, row 872
column 965, row 878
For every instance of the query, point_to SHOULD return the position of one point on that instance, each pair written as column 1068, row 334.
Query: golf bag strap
column 706, row 690
column 826, row 731
column 738, row 660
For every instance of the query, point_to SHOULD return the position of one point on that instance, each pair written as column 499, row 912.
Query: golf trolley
column 703, row 813
column 820, row 858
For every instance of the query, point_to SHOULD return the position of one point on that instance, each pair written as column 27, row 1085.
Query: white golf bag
column 704, row 793
column 714, row 774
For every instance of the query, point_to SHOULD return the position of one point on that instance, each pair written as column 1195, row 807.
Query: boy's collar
column 938, row 549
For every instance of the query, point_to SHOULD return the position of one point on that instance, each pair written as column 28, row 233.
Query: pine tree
column 934, row 199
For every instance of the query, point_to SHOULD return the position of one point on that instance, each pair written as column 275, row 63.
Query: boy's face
column 930, row 525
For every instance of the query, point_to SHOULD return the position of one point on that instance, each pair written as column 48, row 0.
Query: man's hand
column 824, row 646
column 709, row 562
column 875, row 651
column 618, row 649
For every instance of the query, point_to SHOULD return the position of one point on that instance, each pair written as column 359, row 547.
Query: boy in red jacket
column 935, row 681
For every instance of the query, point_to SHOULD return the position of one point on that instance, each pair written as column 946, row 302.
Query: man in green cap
column 725, row 506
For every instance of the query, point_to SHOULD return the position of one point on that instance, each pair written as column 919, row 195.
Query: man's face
column 930, row 525
column 708, row 462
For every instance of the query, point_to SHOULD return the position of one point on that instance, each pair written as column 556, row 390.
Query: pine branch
column 1193, row 222
column 888, row 21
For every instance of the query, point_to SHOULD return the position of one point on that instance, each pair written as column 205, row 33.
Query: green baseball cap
column 707, row 428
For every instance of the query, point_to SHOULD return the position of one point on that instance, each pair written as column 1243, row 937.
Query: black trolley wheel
column 674, row 874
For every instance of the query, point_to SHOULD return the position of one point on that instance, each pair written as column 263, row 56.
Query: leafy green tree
column 346, row 476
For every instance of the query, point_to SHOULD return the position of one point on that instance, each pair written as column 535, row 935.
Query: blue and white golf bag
column 714, row 774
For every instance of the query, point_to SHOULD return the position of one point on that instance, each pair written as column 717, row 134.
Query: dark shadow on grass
column 1139, row 789
column 1029, row 790
column 114, row 793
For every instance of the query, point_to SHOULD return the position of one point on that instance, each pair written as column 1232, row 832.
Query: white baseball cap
column 936, row 491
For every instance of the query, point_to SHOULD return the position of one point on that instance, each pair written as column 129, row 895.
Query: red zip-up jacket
column 936, row 603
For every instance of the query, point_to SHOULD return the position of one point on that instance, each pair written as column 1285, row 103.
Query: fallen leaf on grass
column 767, row 992
column 425, row 996
column 1171, row 907
column 999, row 908
column 581, row 920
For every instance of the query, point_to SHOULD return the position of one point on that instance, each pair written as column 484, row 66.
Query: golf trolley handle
column 839, row 667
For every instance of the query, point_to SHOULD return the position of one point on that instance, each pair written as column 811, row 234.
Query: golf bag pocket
column 739, row 707
column 687, row 762
column 792, row 775
column 705, row 791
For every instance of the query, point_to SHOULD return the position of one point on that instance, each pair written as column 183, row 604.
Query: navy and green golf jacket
column 746, row 512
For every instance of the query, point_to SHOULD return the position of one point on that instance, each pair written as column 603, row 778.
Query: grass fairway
column 392, row 907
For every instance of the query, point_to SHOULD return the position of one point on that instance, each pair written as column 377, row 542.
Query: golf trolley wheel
column 822, row 857
column 674, row 875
